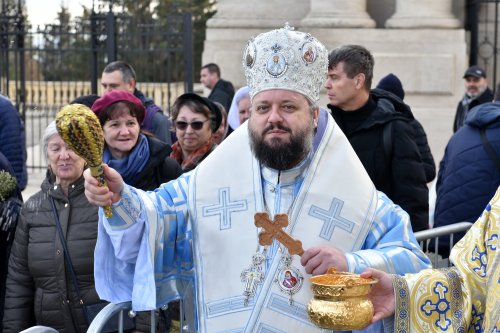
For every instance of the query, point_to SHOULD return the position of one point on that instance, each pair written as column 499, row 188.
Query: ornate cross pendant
column 274, row 229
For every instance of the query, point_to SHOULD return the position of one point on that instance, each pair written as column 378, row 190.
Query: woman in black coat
column 39, row 287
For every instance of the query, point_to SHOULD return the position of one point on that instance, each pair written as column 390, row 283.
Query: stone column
column 423, row 14
column 338, row 14
column 258, row 14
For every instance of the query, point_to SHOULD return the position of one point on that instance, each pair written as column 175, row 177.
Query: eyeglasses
column 195, row 125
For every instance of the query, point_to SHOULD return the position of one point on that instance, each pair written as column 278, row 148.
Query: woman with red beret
column 142, row 160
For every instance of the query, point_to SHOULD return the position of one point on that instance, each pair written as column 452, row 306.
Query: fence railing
column 483, row 25
column 44, row 68
column 47, row 98
column 110, row 310
column 427, row 238
column 59, row 93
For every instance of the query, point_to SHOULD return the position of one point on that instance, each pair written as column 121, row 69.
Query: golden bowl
column 340, row 301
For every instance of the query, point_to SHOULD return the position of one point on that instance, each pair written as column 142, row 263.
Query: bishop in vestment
column 195, row 238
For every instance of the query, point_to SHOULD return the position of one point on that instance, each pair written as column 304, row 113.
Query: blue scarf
column 130, row 166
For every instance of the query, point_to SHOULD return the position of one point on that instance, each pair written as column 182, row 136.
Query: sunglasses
column 195, row 125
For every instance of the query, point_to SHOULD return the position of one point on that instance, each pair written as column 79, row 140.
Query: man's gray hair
column 128, row 72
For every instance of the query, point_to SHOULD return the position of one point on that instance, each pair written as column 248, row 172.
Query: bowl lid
column 334, row 278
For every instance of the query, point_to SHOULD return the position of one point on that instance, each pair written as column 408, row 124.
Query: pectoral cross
column 253, row 276
column 275, row 230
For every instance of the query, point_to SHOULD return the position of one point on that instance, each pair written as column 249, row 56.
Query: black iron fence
column 482, row 23
column 44, row 68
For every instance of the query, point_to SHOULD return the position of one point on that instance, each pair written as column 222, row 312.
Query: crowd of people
column 350, row 179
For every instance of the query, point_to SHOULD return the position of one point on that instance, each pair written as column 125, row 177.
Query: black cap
column 87, row 100
column 475, row 71
column 392, row 83
column 214, row 109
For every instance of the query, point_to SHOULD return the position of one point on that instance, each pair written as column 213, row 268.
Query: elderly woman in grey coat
column 39, row 287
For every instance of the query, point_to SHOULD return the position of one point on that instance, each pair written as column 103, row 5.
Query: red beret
column 116, row 96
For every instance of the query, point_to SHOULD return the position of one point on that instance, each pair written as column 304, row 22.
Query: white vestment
column 195, row 236
column 332, row 207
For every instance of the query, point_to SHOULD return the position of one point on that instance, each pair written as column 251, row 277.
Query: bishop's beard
column 279, row 154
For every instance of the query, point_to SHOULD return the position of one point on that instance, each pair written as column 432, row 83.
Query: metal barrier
column 425, row 237
column 102, row 318
column 107, row 313
column 110, row 310
column 40, row 329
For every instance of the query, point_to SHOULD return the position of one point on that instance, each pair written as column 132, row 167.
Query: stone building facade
column 423, row 42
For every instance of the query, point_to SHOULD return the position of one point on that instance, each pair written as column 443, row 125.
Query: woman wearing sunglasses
column 196, row 119
column 142, row 160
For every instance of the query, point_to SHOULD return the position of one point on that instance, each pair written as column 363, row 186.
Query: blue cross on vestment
column 492, row 242
column 224, row 208
column 331, row 218
column 481, row 259
column 441, row 307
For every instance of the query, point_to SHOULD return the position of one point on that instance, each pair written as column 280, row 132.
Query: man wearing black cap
column 476, row 92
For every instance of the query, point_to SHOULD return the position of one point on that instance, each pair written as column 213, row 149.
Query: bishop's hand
column 317, row 260
column 103, row 195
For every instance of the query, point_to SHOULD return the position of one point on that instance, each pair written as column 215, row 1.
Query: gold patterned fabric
column 464, row 298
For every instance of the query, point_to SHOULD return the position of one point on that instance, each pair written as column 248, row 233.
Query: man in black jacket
column 476, row 93
column 392, row 84
column 222, row 91
column 362, row 114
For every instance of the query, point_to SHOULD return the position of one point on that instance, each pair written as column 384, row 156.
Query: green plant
column 7, row 184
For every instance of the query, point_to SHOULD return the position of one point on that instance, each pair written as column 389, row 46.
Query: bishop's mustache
column 276, row 126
